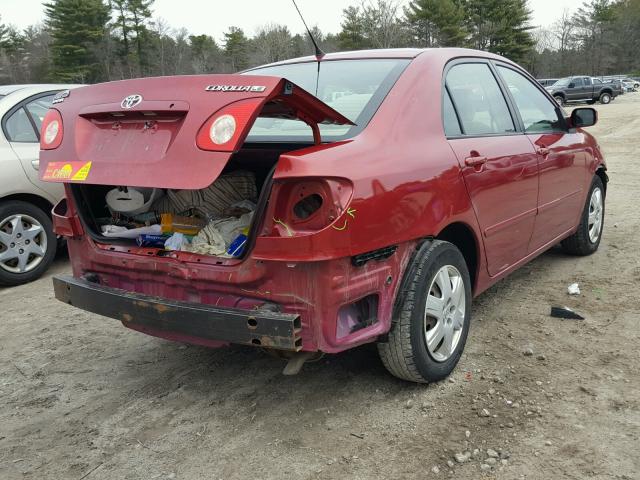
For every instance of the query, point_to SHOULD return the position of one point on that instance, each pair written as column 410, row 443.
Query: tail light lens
column 305, row 206
column 225, row 129
column 52, row 130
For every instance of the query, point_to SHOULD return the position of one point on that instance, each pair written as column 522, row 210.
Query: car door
column 21, row 127
column 561, row 155
column 587, row 88
column 499, row 164
column 575, row 90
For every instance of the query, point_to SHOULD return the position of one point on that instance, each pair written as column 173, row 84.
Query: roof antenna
column 319, row 52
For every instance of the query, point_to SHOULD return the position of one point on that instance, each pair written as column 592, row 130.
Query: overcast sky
column 213, row 17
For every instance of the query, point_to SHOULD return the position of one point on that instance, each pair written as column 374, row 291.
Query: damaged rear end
column 177, row 227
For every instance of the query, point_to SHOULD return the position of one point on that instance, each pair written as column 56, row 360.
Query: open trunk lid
column 147, row 132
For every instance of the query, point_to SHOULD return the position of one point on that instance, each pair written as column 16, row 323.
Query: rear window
column 478, row 100
column 355, row 88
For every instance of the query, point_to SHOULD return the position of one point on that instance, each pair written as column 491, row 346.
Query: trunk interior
column 215, row 221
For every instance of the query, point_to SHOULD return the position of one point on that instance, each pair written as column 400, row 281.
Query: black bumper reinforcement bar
column 249, row 327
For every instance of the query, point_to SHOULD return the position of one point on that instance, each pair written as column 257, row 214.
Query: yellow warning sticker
column 81, row 175
column 67, row 171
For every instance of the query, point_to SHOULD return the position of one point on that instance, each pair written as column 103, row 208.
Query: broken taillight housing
column 52, row 130
column 305, row 206
column 224, row 130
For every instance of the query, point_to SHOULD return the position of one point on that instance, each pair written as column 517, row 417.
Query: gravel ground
column 81, row 397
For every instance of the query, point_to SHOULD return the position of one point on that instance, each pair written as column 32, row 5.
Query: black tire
column 14, row 207
column 605, row 98
column 580, row 242
column 405, row 353
column 559, row 100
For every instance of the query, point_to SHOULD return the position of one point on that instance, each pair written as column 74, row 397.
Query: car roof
column 407, row 53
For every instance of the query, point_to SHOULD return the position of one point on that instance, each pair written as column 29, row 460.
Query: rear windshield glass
column 355, row 88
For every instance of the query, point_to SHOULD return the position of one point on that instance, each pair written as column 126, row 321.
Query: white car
column 27, row 242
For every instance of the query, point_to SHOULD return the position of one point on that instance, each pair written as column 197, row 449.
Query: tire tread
column 579, row 243
column 397, row 353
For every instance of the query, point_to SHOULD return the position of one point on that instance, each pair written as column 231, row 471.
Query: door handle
column 475, row 161
column 544, row 151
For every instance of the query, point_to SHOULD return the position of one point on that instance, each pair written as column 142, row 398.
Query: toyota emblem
column 131, row 101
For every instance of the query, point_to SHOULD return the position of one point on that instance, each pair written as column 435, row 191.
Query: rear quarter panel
column 407, row 181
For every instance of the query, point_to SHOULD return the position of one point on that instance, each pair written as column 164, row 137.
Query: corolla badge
column 235, row 88
column 131, row 101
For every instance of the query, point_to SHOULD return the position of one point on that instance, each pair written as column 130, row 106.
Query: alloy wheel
column 23, row 243
column 444, row 313
column 596, row 206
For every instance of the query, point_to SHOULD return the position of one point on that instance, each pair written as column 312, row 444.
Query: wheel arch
column 40, row 202
column 601, row 172
column 463, row 237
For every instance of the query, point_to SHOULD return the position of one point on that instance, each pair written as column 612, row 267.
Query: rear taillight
column 224, row 130
column 305, row 206
column 52, row 130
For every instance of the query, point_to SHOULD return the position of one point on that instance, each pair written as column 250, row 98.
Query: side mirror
column 583, row 117
column 572, row 85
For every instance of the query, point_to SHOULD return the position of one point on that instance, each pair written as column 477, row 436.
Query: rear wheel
column 587, row 238
column 605, row 98
column 27, row 243
column 431, row 317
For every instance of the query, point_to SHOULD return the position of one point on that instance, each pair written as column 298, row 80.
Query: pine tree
column 4, row 30
column 500, row 26
column 132, row 18
column 13, row 57
column 205, row 54
column 594, row 21
column 352, row 35
column 77, row 27
column 140, row 11
column 236, row 46
column 437, row 23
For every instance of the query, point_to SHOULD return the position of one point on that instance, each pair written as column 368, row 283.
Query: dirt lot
column 82, row 397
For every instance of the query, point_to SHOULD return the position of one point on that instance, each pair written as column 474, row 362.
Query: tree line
column 87, row 41
column 602, row 37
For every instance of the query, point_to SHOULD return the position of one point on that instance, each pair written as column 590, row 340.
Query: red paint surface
column 404, row 181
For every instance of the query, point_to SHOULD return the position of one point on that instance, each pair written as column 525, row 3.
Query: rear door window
column 451, row 124
column 538, row 113
column 477, row 97
column 18, row 128
column 24, row 123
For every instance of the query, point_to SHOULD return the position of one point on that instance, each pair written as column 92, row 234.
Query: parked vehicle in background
column 547, row 82
column 616, row 86
column 629, row 85
column 27, row 242
column 581, row 89
column 372, row 213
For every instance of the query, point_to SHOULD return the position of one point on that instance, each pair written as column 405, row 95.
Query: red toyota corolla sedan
column 315, row 205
